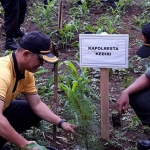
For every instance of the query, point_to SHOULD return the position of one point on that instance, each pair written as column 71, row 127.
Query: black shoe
column 18, row 33
column 112, row 3
column 6, row 147
column 79, row 2
column 143, row 145
column 11, row 44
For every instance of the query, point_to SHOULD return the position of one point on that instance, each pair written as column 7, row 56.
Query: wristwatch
column 60, row 123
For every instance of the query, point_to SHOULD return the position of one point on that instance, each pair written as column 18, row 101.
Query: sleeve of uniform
column 4, row 83
column 148, row 73
column 29, row 87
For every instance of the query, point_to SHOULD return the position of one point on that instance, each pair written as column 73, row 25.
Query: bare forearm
column 139, row 84
column 8, row 133
column 46, row 114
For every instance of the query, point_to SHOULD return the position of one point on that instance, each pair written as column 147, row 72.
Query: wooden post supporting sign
column 104, row 87
column 104, row 51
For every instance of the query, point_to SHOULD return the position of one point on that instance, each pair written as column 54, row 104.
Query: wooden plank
column 60, row 7
column 104, row 86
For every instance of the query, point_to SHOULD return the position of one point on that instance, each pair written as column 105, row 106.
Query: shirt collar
column 19, row 75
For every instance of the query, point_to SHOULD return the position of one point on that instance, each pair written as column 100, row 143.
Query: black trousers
column 15, row 11
column 20, row 116
column 140, row 102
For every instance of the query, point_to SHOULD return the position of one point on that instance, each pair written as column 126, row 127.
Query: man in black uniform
column 137, row 95
column 15, row 11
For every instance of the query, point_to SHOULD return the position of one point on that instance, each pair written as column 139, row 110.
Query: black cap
column 38, row 43
column 144, row 50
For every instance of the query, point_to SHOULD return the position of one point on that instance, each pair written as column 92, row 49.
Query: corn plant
column 44, row 15
column 108, row 23
column 81, row 10
column 120, row 7
column 92, row 29
column 142, row 19
column 84, row 7
column 45, row 88
column 41, row 70
column 110, row 28
column 79, row 100
column 66, row 34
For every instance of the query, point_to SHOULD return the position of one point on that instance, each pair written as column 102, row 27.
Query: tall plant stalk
column 79, row 100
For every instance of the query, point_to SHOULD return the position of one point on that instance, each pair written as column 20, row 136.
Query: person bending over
column 17, row 77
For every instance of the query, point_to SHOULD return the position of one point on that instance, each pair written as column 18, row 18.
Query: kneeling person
column 17, row 77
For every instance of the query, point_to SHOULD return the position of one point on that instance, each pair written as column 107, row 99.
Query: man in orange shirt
column 17, row 77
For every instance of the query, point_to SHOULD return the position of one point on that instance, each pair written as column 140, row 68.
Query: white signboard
column 104, row 51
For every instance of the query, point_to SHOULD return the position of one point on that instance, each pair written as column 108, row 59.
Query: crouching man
column 16, row 76
column 138, row 93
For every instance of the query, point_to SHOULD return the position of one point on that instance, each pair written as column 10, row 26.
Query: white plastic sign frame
column 104, row 51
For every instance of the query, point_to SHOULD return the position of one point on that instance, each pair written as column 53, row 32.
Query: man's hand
column 68, row 127
column 123, row 103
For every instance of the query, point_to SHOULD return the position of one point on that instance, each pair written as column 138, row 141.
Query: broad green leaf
column 35, row 145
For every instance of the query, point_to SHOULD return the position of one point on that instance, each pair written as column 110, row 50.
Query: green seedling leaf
column 72, row 67
column 35, row 145
column 99, row 31
column 75, row 44
column 136, row 27
column 7, row 52
column 40, row 126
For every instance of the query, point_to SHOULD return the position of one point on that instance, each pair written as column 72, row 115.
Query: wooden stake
column 55, row 105
column 60, row 14
column 104, row 86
